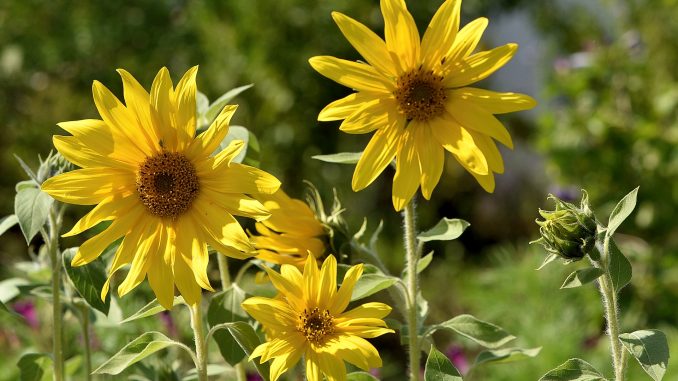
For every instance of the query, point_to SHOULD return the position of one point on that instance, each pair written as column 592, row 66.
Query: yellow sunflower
column 290, row 233
column 414, row 94
column 308, row 319
column 147, row 172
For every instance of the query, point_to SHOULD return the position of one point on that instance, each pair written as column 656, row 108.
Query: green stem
column 55, row 257
column 412, row 287
column 225, row 276
column 84, row 320
column 200, row 347
column 611, row 307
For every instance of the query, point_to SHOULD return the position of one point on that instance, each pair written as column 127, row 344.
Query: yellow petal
column 366, row 42
column 357, row 351
column 489, row 148
column 311, row 282
column 460, row 143
column 377, row 155
column 209, row 140
column 106, row 141
column 184, row 96
column 106, row 210
column 493, row 102
column 285, row 287
column 431, row 159
column 116, row 115
column 137, row 101
column 83, row 156
column 229, row 153
column 220, row 225
column 328, row 281
column 238, row 205
column 408, row 174
column 373, row 310
column 312, row 367
column 332, row 369
column 185, row 280
column 371, row 116
column 356, row 75
column 147, row 247
column 441, row 33
column 402, row 36
column 343, row 296
column 473, row 117
column 466, row 41
column 125, row 253
column 270, row 312
column 479, row 66
column 160, row 276
column 90, row 186
column 239, row 178
column 486, row 181
column 162, row 94
column 344, row 107
column 284, row 362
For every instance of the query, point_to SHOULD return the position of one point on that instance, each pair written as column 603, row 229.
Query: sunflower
column 308, row 319
column 414, row 94
column 159, row 185
column 290, row 234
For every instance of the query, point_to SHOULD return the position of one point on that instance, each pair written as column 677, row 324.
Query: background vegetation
column 604, row 73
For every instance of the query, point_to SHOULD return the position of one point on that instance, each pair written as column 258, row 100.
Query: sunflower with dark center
column 161, row 187
column 416, row 96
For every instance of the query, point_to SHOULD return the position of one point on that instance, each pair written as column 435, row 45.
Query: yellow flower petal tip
column 308, row 318
column 142, row 150
column 411, row 91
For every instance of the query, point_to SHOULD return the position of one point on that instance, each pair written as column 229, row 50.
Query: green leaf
column 370, row 284
column 446, row 229
column 7, row 222
column 340, row 158
column 506, row 355
column 620, row 267
column 573, row 370
column 216, row 107
column 35, row 367
column 486, row 334
column 88, row 280
column 137, row 350
column 360, row 376
column 225, row 308
column 581, row 277
column 253, row 157
column 12, row 287
column 25, row 184
column 440, row 368
column 27, row 169
column 248, row 340
column 151, row 309
column 621, row 211
column 236, row 133
column 31, row 207
column 202, row 103
column 9, row 312
column 651, row 350
column 549, row 258
column 423, row 262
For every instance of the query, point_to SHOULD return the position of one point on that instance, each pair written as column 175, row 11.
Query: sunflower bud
column 568, row 231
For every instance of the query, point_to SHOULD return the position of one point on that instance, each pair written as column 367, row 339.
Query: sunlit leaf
column 486, row 334
column 651, row 350
column 506, row 355
column 225, row 308
column 88, row 280
column 35, row 367
column 216, row 107
column 244, row 335
column 440, row 368
column 371, row 284
column 445, row 230
column 340, row 158
column 581, row 277
column 137, row 350
column 7, row 222
column 620, row 267
column 31, row 207
column 622, row 211
column 573, row 370
column 151, row 309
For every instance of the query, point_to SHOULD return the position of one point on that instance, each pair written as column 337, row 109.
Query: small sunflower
column 308, row 319
column 159, row 185
column 414, row 94
column 290, row 234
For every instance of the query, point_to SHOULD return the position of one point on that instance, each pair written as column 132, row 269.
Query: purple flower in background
column 26, row 309
column 456, row 354
column 168, row 322
column 254, row 377
column 375, row 372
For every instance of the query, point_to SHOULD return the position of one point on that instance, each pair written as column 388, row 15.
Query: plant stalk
column 200, row 347
column 54, row 222
column 412, row 287
column 84, row 320
column 225, row 276
column 611, row 307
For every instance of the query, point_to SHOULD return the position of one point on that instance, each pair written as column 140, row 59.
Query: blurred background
column 604, row 73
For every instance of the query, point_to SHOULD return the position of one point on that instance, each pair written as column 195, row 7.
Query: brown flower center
column 420, row 95
column 316, row 325
column 167, row 184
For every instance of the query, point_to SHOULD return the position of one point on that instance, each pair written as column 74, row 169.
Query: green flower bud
column 568, row 231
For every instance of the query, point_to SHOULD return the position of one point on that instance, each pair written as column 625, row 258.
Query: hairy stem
column 609, row 295
column 84, row 320
column 225, row 276
column 200, row 347
column 54, row 222
column 412, row 287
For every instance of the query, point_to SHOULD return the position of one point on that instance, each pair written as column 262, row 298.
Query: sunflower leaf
column 216, row 106
column 7, row 222
column 35, row 367
column 371, row 284
column 31, row 207
column 622, row 211
column 137, row 350
column 619, row 267
column 506, row 355
column 247, row 339
column 236, row 133
column 440, row 368
column 340, row 158
column 225, row 308
column 581, row 277
column 486, row 334
column 573, row 370
column 446, row 229
column 651, row 350
column 88, row 280
column 151, row 309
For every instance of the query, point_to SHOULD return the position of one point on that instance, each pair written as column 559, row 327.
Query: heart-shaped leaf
column 440, row 368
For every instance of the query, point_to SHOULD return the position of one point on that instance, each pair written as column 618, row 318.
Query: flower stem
column 54, row 222
column 84, row 320
column 225, row 276
column 412, row 287
column 200, row 347
column 609, row 295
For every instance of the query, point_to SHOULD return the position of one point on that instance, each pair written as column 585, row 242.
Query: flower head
column 308, row 319
column 568, row 231
column 291, row 233
column 415, row 95
column 159, row 185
